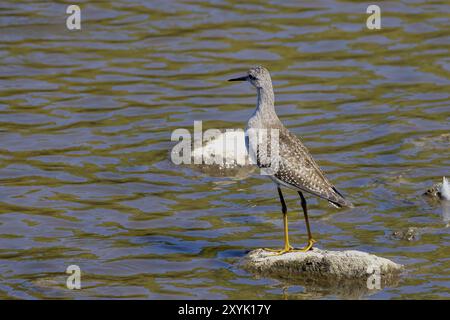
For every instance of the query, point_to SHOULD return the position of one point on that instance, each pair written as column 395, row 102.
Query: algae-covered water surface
column 86, row 118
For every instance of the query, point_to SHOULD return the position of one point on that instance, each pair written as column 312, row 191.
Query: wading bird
column 296, row 168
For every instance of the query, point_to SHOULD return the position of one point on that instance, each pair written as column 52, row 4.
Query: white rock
column 321, row 265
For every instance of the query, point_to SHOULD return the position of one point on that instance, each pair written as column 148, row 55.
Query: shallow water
column 85, row 124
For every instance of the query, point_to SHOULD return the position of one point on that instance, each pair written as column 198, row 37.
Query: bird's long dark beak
column 245, row 78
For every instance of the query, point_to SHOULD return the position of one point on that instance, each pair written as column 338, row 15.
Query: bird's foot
column 308, row 246
column 292, row 249
column 278, row 252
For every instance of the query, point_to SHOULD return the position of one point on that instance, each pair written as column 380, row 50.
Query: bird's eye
column 252, row 77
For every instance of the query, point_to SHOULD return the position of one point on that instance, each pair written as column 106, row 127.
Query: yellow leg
column 311, row 241
column 287, row 246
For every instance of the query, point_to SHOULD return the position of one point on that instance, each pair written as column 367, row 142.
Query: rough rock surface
column 345, row 273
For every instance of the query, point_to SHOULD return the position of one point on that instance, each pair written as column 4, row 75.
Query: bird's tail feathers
column 342, row 202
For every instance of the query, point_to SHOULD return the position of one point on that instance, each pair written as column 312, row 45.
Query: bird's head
column 259, row 77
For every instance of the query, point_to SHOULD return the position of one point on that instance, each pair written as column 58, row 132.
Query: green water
column 85, row 124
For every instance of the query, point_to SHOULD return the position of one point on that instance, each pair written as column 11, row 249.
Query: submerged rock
column 439, row 191
column 433, row 142
column 433, row 192
column 347, row 273
column 409, row 234
column 439, row 195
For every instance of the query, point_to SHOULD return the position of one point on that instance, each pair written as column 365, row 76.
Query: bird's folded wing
column 298, row 169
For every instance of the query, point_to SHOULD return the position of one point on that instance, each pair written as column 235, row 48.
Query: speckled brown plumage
column 298, row 170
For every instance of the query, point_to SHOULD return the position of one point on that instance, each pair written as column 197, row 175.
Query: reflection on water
column 85, row 124
column 446, row 213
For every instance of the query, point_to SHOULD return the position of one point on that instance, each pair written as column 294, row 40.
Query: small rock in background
column 439, row 191
column 433, row 192
column 439, row 194
column 409, row 234
column 433, row 141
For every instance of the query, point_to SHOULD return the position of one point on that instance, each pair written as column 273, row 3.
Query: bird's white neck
column 265, row 110
column 266, row 99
